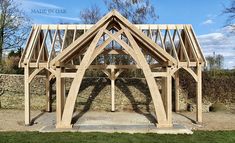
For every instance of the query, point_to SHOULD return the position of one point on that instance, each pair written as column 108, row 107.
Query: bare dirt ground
column 13, row 120
column 211, row 121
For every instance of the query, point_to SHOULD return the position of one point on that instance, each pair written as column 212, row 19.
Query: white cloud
column 34, row 4
column 221, row 42
column 207, row 22
column 231, row 62
column 211, row 36
column 62, row 17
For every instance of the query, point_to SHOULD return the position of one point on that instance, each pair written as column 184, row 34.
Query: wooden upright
column 67, row 51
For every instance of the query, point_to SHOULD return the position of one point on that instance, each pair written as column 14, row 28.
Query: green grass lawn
column 197, row 137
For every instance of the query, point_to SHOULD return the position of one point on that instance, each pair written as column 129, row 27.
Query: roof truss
column 168, row 44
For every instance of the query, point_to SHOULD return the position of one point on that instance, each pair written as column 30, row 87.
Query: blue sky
column 205, row 16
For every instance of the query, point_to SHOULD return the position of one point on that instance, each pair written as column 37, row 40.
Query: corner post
column 169, row 96
column 58, row 96
column 48, row 92
column 27, row 96
column 177, row 93
column 63, row 90
column 199, row 94
column 113, row 89
column 163, row 91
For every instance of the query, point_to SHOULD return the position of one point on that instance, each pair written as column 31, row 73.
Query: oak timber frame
column 48, row 49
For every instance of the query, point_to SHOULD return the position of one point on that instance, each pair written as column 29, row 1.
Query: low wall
column 15, row 83
column 94, row 94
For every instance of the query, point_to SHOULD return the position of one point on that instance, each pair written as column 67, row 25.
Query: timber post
column 177, row 92
column 199, row 95
column 27, row 96
column 113, row 89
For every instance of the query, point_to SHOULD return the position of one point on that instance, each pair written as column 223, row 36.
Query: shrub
column 10, row 66
column 215, row 88
column 217, row 107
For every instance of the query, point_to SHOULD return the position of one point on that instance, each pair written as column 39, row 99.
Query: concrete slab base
column 176, row 129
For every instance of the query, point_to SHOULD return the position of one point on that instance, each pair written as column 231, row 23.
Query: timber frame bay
column 67, row 51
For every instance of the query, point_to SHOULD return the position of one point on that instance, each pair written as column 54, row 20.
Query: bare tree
column 14, row 26
column 230, row 11
column 215, row 62
column 137, row 11
column 90, row 15
column 211, row 62
column 219, row 61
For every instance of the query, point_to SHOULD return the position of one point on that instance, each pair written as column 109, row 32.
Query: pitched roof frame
column 185, row 52
column 89, row 56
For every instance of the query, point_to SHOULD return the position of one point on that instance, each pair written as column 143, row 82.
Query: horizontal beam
column 114, row 52
column 68, row 75
column 105, row 66
column 88, row 26
column 186, row 64
column 35, row 65
column 66, row 26
column 159, row 26
column 159, row 74
column 44, row 65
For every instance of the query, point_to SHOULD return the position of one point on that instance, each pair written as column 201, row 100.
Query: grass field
column 197, row 137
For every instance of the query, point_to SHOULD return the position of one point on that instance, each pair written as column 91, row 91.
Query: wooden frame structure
column 67, row 51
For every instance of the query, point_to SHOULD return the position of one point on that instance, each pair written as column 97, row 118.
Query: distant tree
column 219, row 59
column 137, row 11
column 14, row 26
column 14, row 53
column 90, row 15
column 215, row 62
column 210, row 62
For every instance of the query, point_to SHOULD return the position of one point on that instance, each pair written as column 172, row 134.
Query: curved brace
column 198, row 78
column 118, row 73
column 34, row 73
column 107, row 73
column 194, row 75
column 51, row 70
column 190, row 71
column 154, row 90
column 75, row 86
